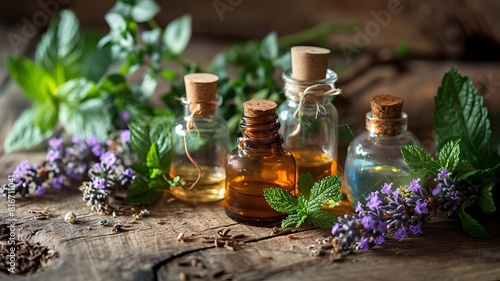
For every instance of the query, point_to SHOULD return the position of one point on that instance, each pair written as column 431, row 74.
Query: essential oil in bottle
column 258, row 162
column 199, row 142
column 374, row 157
column 308, row 117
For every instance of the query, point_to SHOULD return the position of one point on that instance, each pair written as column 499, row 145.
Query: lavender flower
column 449, row 192
column 58, row 182
column 56, row 143
column 125, row 136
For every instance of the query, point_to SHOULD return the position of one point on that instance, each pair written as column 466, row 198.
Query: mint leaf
column 153, row 159
column 449, row 155
column 322, row 219
column 76, row 90
column 269, row 46
column 295, row 220
column 280, row 200
column 304, row 185
column 469, row 224
column 140, row 136
column 323, row 191
column 144, row 10
column 177, row 35
column 466, row 171
column 46, row 116
column 90, row 118
column 23, row 134
column 36, row 84
column 460, row 114
column 140, row 193
column 60, row 49
column 418, row 160
column 486, row 199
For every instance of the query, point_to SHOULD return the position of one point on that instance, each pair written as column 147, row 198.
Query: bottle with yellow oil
column 374, row 157
column 309, row 120
column 199, row 143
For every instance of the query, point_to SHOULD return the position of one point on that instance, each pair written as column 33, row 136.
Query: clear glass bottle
column 309, row 120
column 374, row 157
column 258, row 162
column 199, row 141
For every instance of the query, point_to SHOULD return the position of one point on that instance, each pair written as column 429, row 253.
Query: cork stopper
column 386, row 107
column 386, row 118
column 309, row 63
column 259, row 108
column 201, row 92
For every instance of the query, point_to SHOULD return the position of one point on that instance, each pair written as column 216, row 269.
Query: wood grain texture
column 148, row 250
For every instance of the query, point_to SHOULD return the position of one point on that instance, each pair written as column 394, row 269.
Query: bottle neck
column 386, row 127
column 260, row 132
column 310, row 92
column 197, row 109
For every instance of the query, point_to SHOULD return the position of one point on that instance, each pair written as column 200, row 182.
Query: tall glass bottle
column 309, row 119
column 199, row 141
column 374, row 157
column 258, row 162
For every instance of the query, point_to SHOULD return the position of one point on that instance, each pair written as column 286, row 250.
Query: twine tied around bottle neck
column 201, row 109
column 303, row 94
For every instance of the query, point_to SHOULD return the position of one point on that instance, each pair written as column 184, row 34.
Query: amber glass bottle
column 309, row 120
column 259, row 162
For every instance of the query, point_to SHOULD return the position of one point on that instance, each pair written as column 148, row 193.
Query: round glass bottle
column 258, row 162
column 309, row 120
column 374, row 157
column 199, row 142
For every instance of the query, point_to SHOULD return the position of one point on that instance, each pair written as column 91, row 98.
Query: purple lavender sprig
column 402, row 211
column 104, row 168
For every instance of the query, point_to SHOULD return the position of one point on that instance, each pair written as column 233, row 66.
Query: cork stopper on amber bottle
column 309, row 63
column 201, row 93
column 386, row 117
column 259, row 108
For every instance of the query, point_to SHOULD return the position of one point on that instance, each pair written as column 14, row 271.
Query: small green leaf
column 418, row 159
column 151, row 37
column 140, row 193
column 486, row 199
column 140, row 168
column 305, row 184
column 23, row 134
column 147, row 86
column 269, row 46
column 469, row 224
column 144, row 10
column 76, row 90
column 449, row 155
column 322, row 219
column 323, row 191
column 46, row 116
column 153, row 159
column 177, row 35
column 295, row 220
column 280, row 200
column 36, row 84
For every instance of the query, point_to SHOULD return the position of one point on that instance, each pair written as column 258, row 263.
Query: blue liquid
column 363, row 177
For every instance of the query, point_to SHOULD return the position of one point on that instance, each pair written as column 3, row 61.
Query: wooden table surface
column 149, row 249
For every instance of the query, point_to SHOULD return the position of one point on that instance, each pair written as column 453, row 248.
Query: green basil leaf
column 60, row 49
column 23, row 134
column 36, row 84
column 269, row 46
column 461, row 114
column 177, row 35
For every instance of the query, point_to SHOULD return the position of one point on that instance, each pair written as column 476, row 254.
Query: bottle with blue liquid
column 374, row 157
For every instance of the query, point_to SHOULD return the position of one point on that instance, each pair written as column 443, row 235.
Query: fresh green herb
column 150, row 139
column 307, row 206
column 463, row 146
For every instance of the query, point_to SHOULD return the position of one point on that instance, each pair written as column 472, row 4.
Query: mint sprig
column 307, row 206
